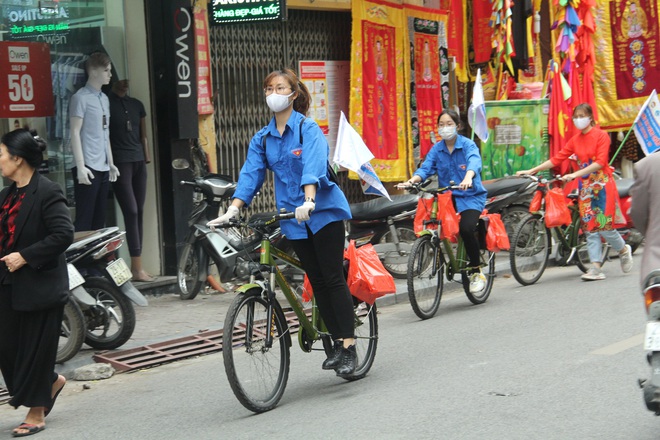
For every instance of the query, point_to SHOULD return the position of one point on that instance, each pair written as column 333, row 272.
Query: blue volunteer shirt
column 454, row 166
column 294, row 166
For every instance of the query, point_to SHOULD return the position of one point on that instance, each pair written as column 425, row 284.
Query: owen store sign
column 26, row 88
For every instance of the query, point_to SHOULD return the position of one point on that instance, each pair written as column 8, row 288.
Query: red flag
column 558, row 116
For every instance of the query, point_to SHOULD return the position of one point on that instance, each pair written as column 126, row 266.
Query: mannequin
column 130, row 151
column 89, row 113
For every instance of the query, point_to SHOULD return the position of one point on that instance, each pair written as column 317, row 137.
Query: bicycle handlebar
column 421, row 187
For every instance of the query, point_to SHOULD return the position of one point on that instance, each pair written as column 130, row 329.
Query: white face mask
column 581, row 123
column 277, row 103
column 447, row 133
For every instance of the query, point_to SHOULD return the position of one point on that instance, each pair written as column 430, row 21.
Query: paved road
column 558, row 360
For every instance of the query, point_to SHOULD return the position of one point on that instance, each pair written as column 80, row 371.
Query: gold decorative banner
column 627, row 40
column 379, row 91
column 427, row 39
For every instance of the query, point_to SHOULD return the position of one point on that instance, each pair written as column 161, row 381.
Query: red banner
column 204, row 94
column 427, row 87
column 26, row 87
column 635, row 43
column 379, row 100
column 481, row 30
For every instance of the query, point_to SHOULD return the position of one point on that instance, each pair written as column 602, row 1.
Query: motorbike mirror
column 180, row 164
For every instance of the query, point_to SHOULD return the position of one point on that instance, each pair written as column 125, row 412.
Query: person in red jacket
column 599, row 200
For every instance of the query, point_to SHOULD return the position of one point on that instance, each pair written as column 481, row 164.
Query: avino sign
column 239, row 11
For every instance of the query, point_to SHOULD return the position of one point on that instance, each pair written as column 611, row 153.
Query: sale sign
column 26, row 88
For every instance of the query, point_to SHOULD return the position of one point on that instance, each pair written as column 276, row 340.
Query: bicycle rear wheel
column 487, row 260
column 425, row 283
column 257, row 374
column 529, row 251
column 366, row 338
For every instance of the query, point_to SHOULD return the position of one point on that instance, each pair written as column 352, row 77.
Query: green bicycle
column 257, row 332
column 432, row 256
column 531, row 241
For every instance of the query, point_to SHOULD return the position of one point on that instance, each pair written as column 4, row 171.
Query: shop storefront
column 65, row 33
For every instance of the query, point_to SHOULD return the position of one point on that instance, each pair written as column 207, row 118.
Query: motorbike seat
column 504, row 185
column 382, row 208
column 82, row 238
column 623, row 186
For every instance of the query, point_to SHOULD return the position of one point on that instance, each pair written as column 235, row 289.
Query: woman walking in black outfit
column 35, row 230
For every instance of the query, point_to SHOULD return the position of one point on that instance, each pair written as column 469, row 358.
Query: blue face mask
column 447, row 133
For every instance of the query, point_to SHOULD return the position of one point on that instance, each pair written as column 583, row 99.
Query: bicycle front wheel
column 529, row 251
column 257, row 373
column 425, row 283
column 366, row 338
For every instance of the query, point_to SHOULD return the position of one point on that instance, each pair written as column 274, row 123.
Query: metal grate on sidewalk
column 151, row 355
column 4, row 396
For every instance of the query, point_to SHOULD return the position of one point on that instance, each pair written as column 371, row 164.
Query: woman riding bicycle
column 456, row 158
column 599, row 200
column 302, row 185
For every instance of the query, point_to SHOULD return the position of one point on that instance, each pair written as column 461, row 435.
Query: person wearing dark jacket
column 35, row 231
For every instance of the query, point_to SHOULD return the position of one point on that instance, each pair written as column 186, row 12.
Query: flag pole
column 622, row 143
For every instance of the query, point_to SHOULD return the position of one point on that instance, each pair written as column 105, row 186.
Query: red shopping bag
column 307, row 290
column 535, row 204
column 556, row 209
column 496, row 236
column 367, row 277
column 423, row 214
column 448, row 217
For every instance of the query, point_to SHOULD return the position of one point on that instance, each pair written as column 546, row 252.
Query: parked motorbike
column 108, row 305
column 388, row 226
column 231, row 251
column 651, row 387
column 72, row 334
column 509, row 197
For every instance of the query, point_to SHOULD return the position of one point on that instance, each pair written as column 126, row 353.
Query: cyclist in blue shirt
column 456, row 158
column 295, row 149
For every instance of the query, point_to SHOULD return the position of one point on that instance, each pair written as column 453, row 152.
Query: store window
column 72, row 30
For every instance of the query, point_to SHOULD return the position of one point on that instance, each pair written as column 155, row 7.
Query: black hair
column 25, row 144
column 452, row 114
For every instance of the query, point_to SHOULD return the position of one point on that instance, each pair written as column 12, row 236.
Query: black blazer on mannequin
column 43, row 232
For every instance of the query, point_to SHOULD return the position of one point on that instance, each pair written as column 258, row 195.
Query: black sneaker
column 347, row 361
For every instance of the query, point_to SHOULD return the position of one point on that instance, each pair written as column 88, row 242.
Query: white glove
column 84, row 175
column 303, row 211
column 232, row 212
column 114, row 173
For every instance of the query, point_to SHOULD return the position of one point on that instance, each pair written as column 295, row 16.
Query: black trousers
column 467, row 226
column 91, row 200
column 28, row 349
column 131, row 191
column 322, row 257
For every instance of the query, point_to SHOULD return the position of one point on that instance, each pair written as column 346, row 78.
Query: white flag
column 352, row 153
column 647, row 124
column 477, row 111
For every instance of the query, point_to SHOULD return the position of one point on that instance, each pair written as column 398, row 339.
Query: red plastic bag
column 307, row 290
column 535, row 204
column 496, row 237
column 556, row 209
column 367, row 277
column 423, row 214
column 448, row 217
